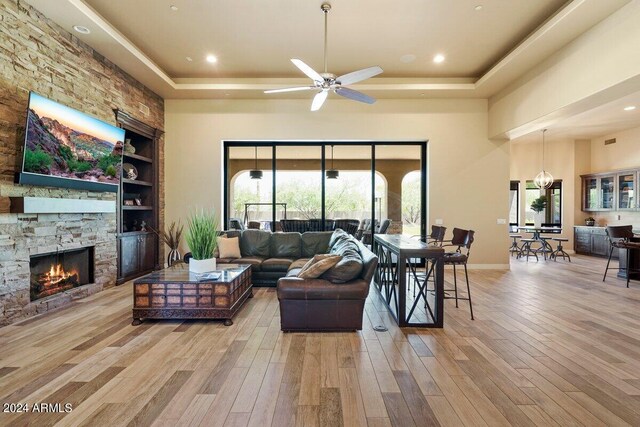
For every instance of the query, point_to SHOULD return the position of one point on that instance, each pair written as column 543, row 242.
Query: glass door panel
column 607, row 192
column 348, row 187
column 590, row 194
column 398, row 188
column 626, row 191
column 299, row 188
column 249, row 193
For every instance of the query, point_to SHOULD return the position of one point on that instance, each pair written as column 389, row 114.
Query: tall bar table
column 398, row 256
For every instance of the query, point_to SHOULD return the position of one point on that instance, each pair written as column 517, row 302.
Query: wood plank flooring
column 551, row 345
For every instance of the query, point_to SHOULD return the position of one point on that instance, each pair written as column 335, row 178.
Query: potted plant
column 590, row 221
column 171, row 238
column 538, row 205
column 202, row 240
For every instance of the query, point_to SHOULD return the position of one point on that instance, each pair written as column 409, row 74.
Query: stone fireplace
column 57, row 272
column 31, row 243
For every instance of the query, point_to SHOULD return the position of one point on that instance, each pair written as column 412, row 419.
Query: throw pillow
column 229, row 247
column 318, row 265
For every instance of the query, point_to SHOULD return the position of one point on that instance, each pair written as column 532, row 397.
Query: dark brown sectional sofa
column 324, row 304
column 272, row 255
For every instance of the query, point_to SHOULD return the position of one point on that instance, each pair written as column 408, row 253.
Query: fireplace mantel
column 46, row 205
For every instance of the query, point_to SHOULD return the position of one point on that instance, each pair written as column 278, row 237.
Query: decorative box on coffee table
column 175, row 293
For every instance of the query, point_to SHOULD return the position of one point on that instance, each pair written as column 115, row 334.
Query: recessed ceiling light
column 212, row 59
column 409, row 57
column 81, row 29
column 173, row 7
column 438, row 58
column 478, row 7
column 630, row 108
column 188, row 58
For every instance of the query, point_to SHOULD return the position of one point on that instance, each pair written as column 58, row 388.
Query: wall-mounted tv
column 67, row 148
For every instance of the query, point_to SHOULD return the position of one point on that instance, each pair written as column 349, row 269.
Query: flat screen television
column 67, row 148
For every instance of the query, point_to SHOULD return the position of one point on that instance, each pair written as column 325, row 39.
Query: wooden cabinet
column 138, row 213
column 137, row 254
column 592, row 241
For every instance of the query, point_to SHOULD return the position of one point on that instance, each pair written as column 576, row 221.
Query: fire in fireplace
column 57, row 272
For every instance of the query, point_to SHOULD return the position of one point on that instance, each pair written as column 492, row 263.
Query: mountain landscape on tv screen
column 55, row 149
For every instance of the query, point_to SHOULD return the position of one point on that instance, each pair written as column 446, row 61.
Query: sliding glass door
column 371, row 186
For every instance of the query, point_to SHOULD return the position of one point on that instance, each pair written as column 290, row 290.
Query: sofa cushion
column 255, row 243
column 337, row 235
column 276, row 264
column 299, row 263
column 255, row 262
column 315, row 242
column 229, row 247
column 351, row 264
column 317, row 265
column 285, row 245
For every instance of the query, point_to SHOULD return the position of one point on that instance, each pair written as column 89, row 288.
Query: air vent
column 609, row 141
column 143, row 109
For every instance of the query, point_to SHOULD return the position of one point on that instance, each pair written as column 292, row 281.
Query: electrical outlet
column 618, row 217
column 502, row 221
column 439, row 222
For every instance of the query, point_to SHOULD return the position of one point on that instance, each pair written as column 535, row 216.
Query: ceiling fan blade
column 310, row 72
column 358, row 76
column 290, row 89
column 355, row 95
column 318, row 100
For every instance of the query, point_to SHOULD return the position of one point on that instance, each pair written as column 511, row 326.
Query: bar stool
column 545, row 248
column 526, row 249
column 462, row 240
column 515, row 249
column 559, row 250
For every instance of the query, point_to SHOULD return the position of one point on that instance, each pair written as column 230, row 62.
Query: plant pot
column 202, row 265
column 173, row 256
column 537, row 220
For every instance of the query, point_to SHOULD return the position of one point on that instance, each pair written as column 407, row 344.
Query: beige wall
column 601, row 65
column 526, row 163
column 624, row 154
column 568, row 159
column 467, row 172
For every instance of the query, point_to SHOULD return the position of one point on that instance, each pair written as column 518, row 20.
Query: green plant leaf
column 202, row 234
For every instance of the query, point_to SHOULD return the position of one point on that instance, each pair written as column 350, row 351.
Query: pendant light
column 544, row 179
column 332, row 173
column 256, row 173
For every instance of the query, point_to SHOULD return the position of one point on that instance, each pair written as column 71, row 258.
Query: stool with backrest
column 560, row 250
column 462, row 240
column 619, row 237
column 434, row 239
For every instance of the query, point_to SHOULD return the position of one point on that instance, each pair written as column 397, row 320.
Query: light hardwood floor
column 551, row 345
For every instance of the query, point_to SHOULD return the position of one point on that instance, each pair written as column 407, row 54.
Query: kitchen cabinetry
column 610, row 191
column 592, row 241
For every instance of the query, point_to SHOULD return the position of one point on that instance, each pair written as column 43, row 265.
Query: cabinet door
column 590, row 194
column 626, row 191
column 582, row 241
column 128, row 255
column 607, row 192
column 147, row 252
column 599, row 245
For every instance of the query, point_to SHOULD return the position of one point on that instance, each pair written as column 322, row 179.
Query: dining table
column 537, row 231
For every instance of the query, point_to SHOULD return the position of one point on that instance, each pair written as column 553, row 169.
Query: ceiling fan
column 325, row 82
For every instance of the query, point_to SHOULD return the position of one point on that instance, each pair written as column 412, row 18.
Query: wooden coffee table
column 175, row 293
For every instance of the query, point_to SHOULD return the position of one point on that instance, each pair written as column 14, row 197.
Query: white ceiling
column 485, row 50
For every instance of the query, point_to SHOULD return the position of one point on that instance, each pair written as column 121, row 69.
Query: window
column 553, row 212
column 514, row 203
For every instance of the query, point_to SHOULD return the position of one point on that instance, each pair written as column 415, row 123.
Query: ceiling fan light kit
column 325, row 82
